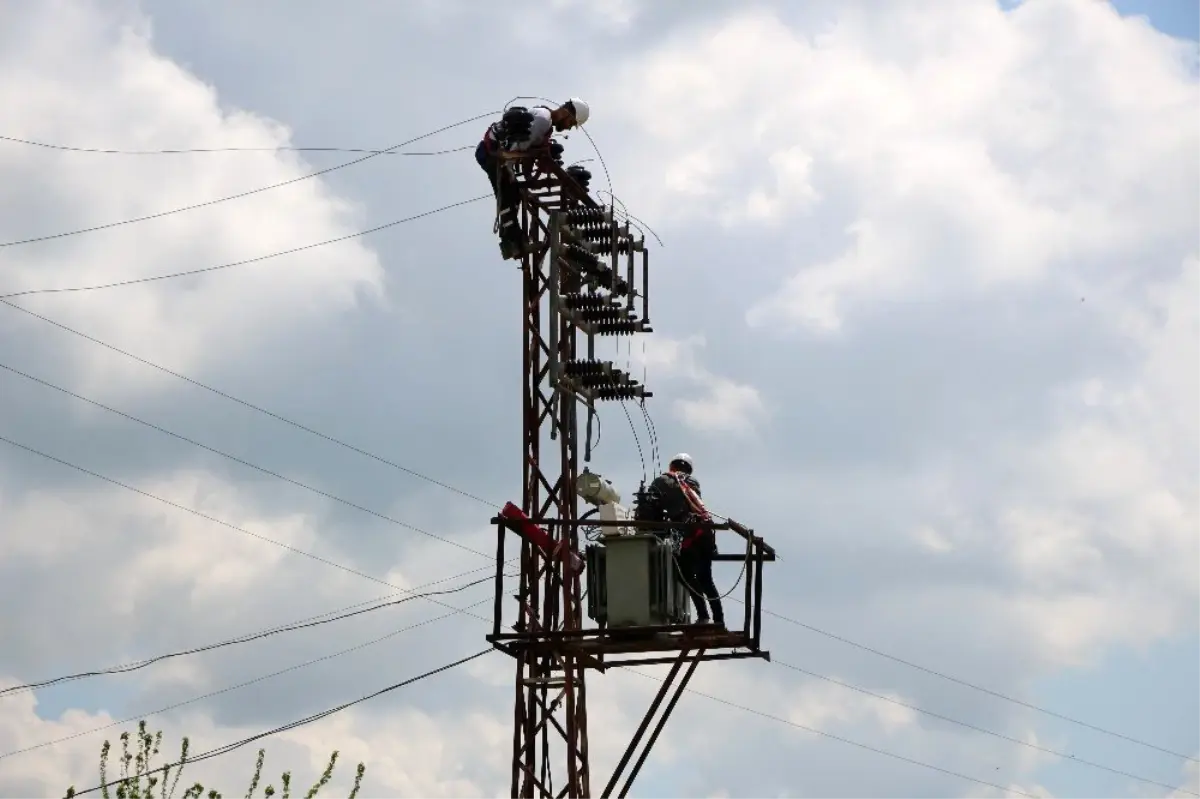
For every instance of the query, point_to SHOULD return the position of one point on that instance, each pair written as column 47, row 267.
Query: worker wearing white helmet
column 521, row 130
column 674, row 497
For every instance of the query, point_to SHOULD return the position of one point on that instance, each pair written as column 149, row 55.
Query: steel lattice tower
column 584, row 276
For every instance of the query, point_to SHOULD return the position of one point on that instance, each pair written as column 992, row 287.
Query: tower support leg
column 684, row 657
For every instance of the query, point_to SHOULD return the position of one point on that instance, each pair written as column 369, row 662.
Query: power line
column 452, row 488
column 973, row 686
column 966, row 725
column 227, row 748
column 839, row 738
column 449, row 487
column 624, row 211
column 243, row 462
column 241, row 685
column 636, row 439
column 708, row 696
column 245, row 193
column 250, row 405
column 651, row 430
column 221, row 522
column 390, row 519
column 191, row 150
column 243, row 639
column 256, row 259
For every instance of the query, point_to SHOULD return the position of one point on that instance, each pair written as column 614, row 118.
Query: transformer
column 632, row 581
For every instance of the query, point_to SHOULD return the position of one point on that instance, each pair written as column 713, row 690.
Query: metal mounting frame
column 594, row 647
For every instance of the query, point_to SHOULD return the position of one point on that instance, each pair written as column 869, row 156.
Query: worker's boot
column 511, row 238
column 510, row 249
column 718, row 612
column 512, row 244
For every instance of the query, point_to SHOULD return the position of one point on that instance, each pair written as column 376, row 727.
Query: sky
column 925, row 312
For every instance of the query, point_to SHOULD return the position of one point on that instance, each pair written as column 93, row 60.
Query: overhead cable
column 973, row 686
column 227, row 748
column 245, row 261
column 766, row 611
column 250, row 405
column 191, row 150
column 839, row 738
column 244, row 639
column 246, row 463
column 394, row 465
column 309, row 176
column 621, row 211
column 1027, row 744
column 215, row 520
column 238, row 686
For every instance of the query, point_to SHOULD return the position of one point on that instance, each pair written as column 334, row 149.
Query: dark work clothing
column 507, row 193
column 665, row 501
column 696, row 566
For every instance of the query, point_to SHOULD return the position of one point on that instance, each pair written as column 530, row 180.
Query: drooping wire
column 637, row 223
column 254, row 681
column 682, row 574
column 636, row 439
column 230, row 747
column 655, row 452
column 651, row 428
column 592, row 445
column 250, row 405
column 839, row 738
column 581, row 129
column 236, row 459
column 1001, row 736
column 208, row 203
column 965, row 725
column 399, row 467
column 244, row 639
column 231, row 526
column 973, row 686
column 194, row 150
column 607, row 176
column 653, row 434
column 256, row 259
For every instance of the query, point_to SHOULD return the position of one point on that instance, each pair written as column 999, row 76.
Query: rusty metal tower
column 584, row 276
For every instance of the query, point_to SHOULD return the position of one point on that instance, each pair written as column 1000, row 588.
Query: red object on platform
column 541, row 539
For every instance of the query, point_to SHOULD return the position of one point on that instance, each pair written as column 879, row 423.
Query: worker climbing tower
column 586, row 276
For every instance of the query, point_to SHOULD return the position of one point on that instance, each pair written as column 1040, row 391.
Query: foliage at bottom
column 139, row 778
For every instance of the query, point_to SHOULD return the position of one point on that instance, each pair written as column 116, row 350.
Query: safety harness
column 699, row 513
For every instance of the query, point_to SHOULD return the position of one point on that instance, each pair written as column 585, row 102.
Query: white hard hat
column 683, row 457
column 581, row 110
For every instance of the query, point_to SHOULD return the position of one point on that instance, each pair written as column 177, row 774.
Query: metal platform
column 596, row 647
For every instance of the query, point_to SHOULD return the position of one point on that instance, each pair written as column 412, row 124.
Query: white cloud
column 980, row 153
column 611, row 14
column 171, row 576
column 117, row 90
column 828, row 707
column 709, row 402
column 976, row 148
column 898, row 160
column 408, row 752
